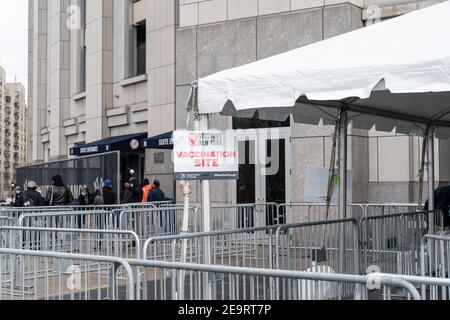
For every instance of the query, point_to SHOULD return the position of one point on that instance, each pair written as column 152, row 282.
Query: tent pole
column 431, row 182
column 343, row 127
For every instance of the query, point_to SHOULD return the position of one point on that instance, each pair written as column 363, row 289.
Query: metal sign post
column 201, row 124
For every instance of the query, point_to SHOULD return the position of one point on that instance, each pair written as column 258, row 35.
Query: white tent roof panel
column 392, row 74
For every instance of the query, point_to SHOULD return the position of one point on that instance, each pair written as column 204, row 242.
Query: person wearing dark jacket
column 85, row 198
column 109, row 197
column 17, row 197
column 32, row 198
column 156, row 194
column 132, row 194
column 442, row 202
column 58, row 194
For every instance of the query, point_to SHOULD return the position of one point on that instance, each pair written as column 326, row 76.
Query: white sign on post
column 316, row 186
column 208, row 155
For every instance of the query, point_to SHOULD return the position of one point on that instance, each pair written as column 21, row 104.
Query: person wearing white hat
column 31, row 197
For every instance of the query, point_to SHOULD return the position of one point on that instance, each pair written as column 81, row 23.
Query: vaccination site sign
column 206, row 155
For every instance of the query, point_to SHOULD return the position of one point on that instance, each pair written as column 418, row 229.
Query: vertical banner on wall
column 208, row 155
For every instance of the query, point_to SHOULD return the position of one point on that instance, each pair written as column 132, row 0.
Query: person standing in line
column 131, row 194
column 146, row 188
column 17, row 197
column 85, row 198
column 58, row 194
column 31, row 197
column 109, row 197
column 156, row 194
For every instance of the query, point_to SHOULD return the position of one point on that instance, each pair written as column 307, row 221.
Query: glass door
column 264, row 174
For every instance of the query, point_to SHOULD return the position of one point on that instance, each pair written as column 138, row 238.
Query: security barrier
column 435, row 262
column 157, row 221
column 116, row 243
column 72, row 276
column 391, row 243
column 251, row 247
column 97, row 220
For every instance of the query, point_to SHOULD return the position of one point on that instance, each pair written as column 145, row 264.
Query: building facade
column 110, row 68
column 13, row 132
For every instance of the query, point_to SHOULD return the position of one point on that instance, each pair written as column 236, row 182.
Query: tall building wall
column 13, row 131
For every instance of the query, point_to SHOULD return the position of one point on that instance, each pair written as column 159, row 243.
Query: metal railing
column 391, row 243
column 435, row 262
column 74, row 276
column 250, row 247
column 7, row 221
column 116, row 243
column 147, row 223
column 187, row 281
column 373, row 209
column 90, row 220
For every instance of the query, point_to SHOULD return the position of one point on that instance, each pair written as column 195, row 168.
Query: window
column 137, row 39
column 82, row 52
column 140, row 48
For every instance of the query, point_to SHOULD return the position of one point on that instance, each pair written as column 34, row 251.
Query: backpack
column 98, row 199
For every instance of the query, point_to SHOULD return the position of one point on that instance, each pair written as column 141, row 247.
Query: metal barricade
column 73, row 276
column 251, row 247
column 148, row 223
column 391, row 243
column 326, row 246
column 15, row 213
column 116, row 243
column 243, row 216
column 7, row 221
column 383, row 209
column 435, row 262
column 309, row 212
column 90, row 220
column 187, row 281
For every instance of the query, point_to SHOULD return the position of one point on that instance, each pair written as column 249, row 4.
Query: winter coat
column 59, row 196
column 132, row 195
column 109, row 197
column 32, row 198
column 156, row 195
column 442, row 202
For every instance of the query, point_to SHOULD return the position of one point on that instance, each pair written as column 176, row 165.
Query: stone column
column 59, row 88
column 161, row 21
column 38, row 103
column 99, row 75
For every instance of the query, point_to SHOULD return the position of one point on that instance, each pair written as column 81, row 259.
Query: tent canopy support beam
column 374, row 111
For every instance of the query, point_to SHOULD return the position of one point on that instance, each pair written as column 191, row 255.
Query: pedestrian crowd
column 59, row 194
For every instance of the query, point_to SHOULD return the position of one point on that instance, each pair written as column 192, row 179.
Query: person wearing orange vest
column 146, row 188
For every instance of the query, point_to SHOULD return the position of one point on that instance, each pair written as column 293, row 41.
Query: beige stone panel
column 373, row 160
column 189, row 15
column 270, row 6
column 305, row 4
column 238, row 9
column 393, row 159
column 212, row 11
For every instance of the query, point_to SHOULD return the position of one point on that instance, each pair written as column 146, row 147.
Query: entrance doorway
column 264, row 174
column 134, row 161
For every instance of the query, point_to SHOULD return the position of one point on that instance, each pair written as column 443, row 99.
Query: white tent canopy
column 392, row 74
